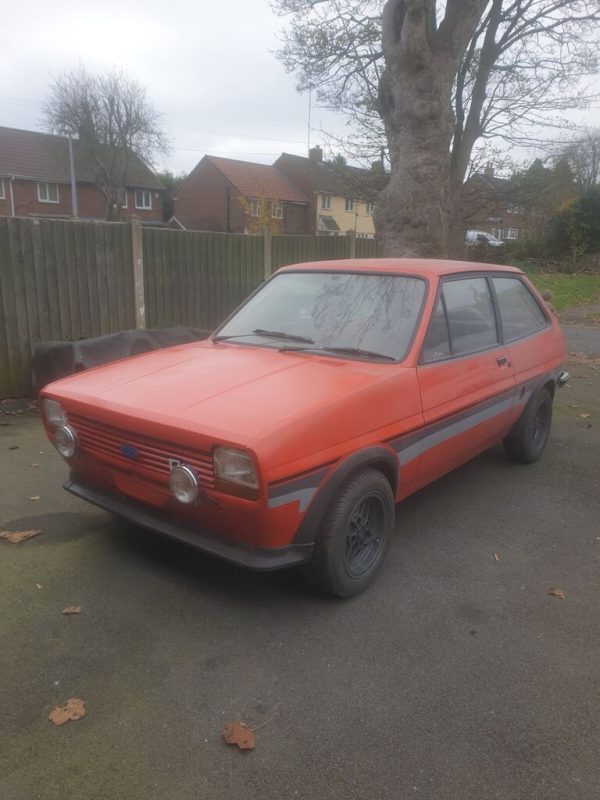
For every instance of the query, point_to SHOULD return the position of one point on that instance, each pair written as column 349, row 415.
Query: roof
column 341, row 180
column 258, row 180
column 44, row 156
column 402, row 266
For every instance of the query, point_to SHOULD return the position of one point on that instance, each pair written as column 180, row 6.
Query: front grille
column 151, row 456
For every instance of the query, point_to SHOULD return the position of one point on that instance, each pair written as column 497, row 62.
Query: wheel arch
column 376, row 457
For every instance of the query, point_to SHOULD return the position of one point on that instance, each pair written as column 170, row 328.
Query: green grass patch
column 567, row 290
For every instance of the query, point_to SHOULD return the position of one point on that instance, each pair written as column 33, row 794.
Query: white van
column 482, row 237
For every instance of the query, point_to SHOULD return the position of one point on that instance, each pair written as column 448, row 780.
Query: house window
column 123, row 197
column 47, row 192
column 254, row 206
column 277, row 211
column 349, row 204
column 143, row 199
column 493, row 231
column 2, row 195
column 326, row 201
column 370, row 208
column 511, row 233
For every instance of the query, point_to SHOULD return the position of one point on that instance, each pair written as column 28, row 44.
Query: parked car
column 336, row 390
column 473, row 238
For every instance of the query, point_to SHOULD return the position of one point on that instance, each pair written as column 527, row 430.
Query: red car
column 333, row 392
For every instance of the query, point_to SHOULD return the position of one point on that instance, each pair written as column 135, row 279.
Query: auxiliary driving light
column 183, row 484
column 65, row 441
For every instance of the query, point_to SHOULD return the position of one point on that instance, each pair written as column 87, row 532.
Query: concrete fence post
column 268, row 255
column 138, row 273
column 352, row 243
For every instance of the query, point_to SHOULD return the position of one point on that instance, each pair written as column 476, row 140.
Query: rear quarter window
column 520, row 312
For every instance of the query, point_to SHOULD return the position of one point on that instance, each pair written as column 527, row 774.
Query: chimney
column 489, row 170
column 315, row 154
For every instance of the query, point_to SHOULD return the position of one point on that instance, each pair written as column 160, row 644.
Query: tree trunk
column 422, row 59
column 412, row 215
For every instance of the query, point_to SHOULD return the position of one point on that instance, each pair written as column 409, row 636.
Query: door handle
column 502, row 361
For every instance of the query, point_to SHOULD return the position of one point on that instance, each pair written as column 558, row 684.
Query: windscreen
column 375, row 313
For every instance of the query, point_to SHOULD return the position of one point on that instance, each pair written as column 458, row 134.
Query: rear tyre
column 353, row 538
column 527, row 440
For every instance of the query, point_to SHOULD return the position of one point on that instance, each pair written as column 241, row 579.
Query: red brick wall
column 90, row 201
column 298, row 177
column 206, row 201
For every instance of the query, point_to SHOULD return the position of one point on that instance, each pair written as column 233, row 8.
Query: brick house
column 35, row 180
column 342, row 197
column 493, row 205
column 219, row 194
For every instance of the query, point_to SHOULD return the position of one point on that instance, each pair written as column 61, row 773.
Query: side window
column 519, row 311
column 471, row 318
column 436, row 344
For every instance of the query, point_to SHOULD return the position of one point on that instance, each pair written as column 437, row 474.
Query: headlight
column 183, row 483
column 65, row 441
column 236, row 467
column 53, row 412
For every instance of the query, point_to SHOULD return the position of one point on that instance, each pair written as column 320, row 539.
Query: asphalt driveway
column 455, row 677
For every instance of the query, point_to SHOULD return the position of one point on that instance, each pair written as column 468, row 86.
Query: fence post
column 352, row 238
column 268, row 242
column 138, row 273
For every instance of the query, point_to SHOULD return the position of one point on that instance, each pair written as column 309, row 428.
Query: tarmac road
column 455, row 677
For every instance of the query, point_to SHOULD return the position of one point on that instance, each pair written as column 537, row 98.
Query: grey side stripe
column 303, row 495
column 410, row 446
column 413, row 445
column 301, row 489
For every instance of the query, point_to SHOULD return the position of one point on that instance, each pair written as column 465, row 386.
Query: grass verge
column 567, row 290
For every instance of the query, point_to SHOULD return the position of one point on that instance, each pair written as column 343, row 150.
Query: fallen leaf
column 72, row 610
column 35, row 465
column 240, row 734
column 14, row 537
column 35, row 497
column 13, row 446
column 585, row 416
column 496, row 557
column 573, row 405
column 557, row 593
column 38, row 585
column 73, row 709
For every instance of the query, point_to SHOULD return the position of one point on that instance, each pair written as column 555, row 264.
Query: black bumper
column 257, row 558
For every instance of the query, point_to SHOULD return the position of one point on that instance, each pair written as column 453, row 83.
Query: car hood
column 232, row 392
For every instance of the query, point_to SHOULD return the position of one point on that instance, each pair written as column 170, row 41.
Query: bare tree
column 114, row 122
column 436, row 77
column 583, row 156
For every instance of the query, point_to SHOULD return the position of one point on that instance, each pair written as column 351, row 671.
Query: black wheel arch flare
column 377, row 457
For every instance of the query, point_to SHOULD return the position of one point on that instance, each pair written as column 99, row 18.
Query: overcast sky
column 208, row 66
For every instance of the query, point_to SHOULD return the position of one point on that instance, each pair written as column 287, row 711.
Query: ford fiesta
column 336, row 390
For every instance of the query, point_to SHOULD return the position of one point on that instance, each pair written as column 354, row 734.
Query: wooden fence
column 61, row 281
column 67, row 280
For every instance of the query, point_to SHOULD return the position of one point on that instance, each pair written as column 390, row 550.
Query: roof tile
column 43, row 156
column 258, row 180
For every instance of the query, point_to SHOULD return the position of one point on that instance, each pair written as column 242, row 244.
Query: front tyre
column 527, row 440
column 353, row 538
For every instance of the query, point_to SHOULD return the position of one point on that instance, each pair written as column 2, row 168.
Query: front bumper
column 257, row 558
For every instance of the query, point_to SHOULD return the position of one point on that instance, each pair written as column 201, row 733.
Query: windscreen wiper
column 357, row 351
column 272, row 334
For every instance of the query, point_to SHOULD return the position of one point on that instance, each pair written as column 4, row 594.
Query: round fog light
column 183, row 483
column 65, row 441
